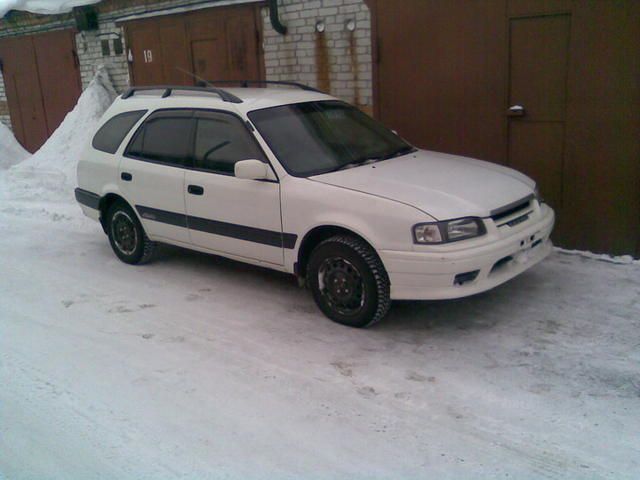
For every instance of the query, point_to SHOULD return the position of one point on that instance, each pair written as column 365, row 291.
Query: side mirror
column 253, row 170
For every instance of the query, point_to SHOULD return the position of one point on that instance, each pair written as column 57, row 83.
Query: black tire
column 126, row 235
column 348, row 281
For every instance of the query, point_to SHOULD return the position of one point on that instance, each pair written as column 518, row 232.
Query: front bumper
column 447, row 274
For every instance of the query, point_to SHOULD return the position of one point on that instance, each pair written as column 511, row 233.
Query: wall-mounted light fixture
column 320, row 26
column 350, row 25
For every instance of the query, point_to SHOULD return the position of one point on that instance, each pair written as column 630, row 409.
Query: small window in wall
column 118, row 49
column 111, row 134
column 221, row 141
column 165, row 138
column 106, row 50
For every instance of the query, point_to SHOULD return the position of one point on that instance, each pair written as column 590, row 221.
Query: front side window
column 221, row 141
column 164, row 137
column 319, row 137
column 109, row 137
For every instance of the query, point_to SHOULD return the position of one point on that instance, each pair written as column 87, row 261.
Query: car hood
column 444, row 186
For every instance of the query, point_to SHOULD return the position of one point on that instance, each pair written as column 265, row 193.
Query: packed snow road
column 198, row 367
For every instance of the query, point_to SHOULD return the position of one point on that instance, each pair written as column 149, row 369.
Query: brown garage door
column 447, row 73
column 42, row 83
column 216, row 43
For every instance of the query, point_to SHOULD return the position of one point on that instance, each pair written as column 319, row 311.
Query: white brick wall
column 296, row 56
column 4, row 117
column 89, row 47
column 340, row 57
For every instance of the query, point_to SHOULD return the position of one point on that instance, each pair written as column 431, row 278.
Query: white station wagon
column 298, row 181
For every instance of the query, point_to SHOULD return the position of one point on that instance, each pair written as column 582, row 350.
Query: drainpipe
column 275, row 18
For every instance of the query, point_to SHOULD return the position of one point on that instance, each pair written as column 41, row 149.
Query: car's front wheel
column 126, row 235
column 348, row 281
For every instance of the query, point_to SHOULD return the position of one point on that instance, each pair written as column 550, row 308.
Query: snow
column 45, row 7
column 622, row 259
column 196, row 367
column 50, row 173
column 11, row 152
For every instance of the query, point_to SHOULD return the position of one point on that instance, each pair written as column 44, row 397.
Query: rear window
column 111, row 134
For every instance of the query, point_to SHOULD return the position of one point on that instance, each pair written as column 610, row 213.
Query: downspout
column 275, row 18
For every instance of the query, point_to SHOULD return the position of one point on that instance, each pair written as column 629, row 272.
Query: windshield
column 318, row 137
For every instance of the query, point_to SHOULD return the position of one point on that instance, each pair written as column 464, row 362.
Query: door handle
column 516, row 111
column 126, row 176
column 195, row 190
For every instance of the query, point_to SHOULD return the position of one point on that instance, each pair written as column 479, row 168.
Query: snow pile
column 50, row 173
column 603, row 257
column 45, row 7
column 11, row 152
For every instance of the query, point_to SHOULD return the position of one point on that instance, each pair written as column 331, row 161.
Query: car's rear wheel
column 348, row 281
column 126, row 235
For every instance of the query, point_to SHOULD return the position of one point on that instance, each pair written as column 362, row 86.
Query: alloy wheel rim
column 124, row 232
column 341, row 285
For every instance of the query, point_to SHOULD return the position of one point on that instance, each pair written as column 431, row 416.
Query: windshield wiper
column 369, row 160
column 401, row 151
column 357, row 163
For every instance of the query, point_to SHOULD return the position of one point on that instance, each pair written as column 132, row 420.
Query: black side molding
column 162, row 216
column 232, row 230
column 87, row 198
column 243, row 232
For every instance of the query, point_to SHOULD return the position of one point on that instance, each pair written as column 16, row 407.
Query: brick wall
column 90, row 54
column 4, row 107
column 337, row 60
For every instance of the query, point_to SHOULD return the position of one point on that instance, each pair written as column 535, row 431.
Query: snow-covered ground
column 195, row 367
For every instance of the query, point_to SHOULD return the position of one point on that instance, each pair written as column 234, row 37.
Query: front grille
column 516, row 221
column 514, row 213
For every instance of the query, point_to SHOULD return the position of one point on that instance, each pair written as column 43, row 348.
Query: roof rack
column 168, row 90
column 247, row 83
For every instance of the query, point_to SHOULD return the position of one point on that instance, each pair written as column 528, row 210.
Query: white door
column 152, row 173
column 227, row 214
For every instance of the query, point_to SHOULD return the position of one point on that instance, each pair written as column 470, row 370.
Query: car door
column 227, row 214
column 152, row 173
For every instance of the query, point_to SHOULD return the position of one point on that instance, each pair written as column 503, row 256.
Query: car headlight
column 448, row 231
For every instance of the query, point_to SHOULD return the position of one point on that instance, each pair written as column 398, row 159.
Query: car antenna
column 200, row 80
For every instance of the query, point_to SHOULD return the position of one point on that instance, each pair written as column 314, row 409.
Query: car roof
column 251, row 99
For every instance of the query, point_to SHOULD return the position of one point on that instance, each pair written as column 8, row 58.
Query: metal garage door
column 447, row 73
column 216, row 43
column 42, row 83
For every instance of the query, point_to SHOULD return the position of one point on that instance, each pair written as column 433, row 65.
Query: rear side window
column 164, row 137
column 111, row 134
